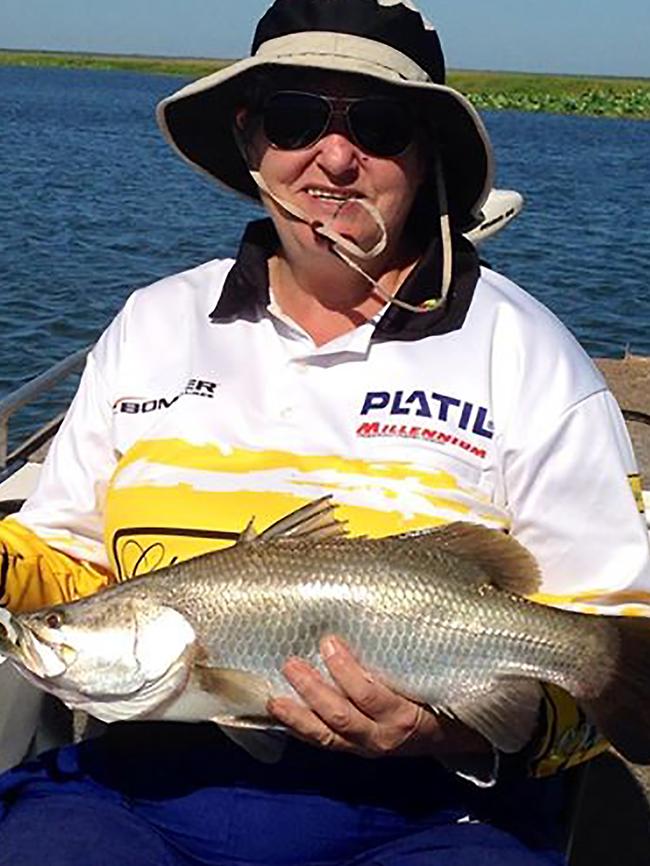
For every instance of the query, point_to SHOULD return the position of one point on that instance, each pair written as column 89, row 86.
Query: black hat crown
column 395, row 24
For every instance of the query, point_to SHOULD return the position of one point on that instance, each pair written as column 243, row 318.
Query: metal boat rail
column 28, row 393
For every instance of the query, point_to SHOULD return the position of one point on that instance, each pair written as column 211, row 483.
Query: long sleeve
column 33, row 574
column 53, row 549
column 572, row 496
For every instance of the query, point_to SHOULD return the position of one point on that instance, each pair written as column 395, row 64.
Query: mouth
column 10, row 632
column 64, row 651
column 332, row 195
column 38, row 655
column 342, row 208
column 6, row 643
column 332, row 202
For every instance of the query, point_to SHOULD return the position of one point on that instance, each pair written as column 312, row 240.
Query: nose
column 338, row 156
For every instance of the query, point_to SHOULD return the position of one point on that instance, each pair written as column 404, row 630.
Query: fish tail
column 622, row 710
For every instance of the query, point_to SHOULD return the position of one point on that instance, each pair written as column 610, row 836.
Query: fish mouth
column 7, row 642
column 40, row 656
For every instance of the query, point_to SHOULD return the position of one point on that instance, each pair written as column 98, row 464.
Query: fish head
column 97, row 648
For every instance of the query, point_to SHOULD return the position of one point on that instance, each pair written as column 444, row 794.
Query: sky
column 593, row 37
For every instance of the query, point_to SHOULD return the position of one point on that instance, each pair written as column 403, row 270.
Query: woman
column 354, row 347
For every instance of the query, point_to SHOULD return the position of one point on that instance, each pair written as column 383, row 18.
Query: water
column 93, row 204
column 582, row 244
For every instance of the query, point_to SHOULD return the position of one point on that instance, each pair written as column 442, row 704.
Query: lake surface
column 93, row 204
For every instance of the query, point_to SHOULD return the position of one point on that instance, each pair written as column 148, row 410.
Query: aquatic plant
column 514, row 91
column 600, row 101
column 556, row 94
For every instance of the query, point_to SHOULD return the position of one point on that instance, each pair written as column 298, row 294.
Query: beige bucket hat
column 385, row 40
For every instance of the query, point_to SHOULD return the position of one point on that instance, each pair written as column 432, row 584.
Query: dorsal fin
column 249, row 533
column 506, row 562
column 315, row 521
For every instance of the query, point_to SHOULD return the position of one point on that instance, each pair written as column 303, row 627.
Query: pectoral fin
column 244, row 694
column 244, row 718
column 507, row 717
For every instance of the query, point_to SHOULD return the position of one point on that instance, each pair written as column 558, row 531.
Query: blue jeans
column 182, row 795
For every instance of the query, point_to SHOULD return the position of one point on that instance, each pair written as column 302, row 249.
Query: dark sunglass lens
column 294, row 120
column 382, row 127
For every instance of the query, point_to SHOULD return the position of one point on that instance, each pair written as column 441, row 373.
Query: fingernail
column 275, row 706
column 296, row 671
column 329, row 647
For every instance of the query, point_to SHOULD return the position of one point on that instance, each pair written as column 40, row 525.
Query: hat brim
column 198, row 123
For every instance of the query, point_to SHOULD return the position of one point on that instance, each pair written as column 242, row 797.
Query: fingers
column 353, row 713
column 327, row 717
column 394, row 719
column 372, row 698
column 307, row 726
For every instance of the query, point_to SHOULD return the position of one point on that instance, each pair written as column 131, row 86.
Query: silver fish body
column 439, row 616
column 429, row 622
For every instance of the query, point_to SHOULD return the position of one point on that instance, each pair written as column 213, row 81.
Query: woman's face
column 325, row 178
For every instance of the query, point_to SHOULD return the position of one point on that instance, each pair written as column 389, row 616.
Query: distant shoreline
column 515, row 91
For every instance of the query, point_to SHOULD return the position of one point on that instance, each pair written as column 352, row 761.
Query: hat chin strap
column 447, row 252
column 344, row 247
column 326, row 228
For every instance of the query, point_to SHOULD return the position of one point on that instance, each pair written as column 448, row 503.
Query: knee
column 68, row 831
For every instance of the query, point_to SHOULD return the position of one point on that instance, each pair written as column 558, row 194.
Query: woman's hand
column 357, row 714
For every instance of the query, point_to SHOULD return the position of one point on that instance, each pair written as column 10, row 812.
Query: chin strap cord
column 345, row 248
column 447, row 252
column 326, row 229
column 445, row 236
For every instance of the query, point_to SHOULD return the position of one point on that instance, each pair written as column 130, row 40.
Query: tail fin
column 622, row 710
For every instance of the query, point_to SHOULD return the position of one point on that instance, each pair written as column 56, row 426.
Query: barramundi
column 439, row 615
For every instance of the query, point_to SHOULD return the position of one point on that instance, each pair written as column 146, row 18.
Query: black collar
column 246, row 288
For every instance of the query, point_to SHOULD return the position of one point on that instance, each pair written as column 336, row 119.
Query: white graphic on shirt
column 411, row 497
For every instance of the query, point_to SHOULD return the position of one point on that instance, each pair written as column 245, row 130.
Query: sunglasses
column 380, row 126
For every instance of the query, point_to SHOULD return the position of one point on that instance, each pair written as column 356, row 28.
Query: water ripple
column 93, row 204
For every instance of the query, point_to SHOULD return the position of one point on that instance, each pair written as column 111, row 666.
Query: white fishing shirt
column 203, row 405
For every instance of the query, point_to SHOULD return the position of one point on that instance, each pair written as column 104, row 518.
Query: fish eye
column 54, row 619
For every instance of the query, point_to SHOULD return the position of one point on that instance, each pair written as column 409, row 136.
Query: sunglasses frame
column 340, row 106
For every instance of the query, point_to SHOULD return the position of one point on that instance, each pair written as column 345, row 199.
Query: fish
column 439, row 615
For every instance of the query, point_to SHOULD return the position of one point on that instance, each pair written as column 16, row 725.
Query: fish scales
column 416, row 617
column 439, row 615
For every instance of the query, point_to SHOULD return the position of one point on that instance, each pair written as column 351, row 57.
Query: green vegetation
column 559, row 94
column 190, row 66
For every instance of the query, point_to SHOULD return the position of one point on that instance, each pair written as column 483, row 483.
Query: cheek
column 417, row 168
column 163, row 636
column 280, row 167
column 105, row 663
column 400, row 189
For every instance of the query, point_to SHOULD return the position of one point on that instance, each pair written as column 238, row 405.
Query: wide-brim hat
column 385, row 40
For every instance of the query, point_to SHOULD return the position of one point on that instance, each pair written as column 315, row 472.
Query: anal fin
column 266, row 746
column 507, row 717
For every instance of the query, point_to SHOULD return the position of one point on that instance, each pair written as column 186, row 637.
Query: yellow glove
column 34, row 575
